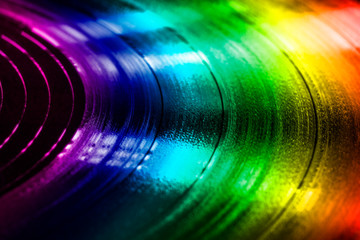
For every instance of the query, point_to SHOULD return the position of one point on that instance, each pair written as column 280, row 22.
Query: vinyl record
column 179, row 119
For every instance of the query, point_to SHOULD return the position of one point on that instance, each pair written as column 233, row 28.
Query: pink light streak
column 49, row 98
column 69, row 81
column 30, row 38
column 14, row 44
column 25, row 94
column 45, row 36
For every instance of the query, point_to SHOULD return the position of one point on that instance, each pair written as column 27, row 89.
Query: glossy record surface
column 179, row 120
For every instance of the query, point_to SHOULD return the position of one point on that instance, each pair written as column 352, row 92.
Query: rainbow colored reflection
column 194, row 120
